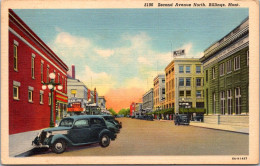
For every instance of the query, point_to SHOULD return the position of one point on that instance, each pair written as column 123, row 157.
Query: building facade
column 148, row 101
column 189, row 83
column 138, row 109
column 158, row 91
column 102, row 104
column 226, row 72
column 30, row 63
column 169, row 86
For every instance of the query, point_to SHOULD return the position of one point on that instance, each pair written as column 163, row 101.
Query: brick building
column 30, row 63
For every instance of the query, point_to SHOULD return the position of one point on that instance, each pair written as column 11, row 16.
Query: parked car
column 74, row 131
column 181, row 119
column 198, row 118
column 112, row 120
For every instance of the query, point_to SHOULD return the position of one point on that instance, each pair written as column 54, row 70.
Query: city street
column 140, row 137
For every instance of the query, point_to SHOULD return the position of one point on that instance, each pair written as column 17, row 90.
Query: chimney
column 73, row 71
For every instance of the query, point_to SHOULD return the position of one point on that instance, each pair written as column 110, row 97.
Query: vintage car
column 75, row 131
column 181, row 119
column 112, row 120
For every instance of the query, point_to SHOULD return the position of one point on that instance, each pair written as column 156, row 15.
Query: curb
column 222, row 129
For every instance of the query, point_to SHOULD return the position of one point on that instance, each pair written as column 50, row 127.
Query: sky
column 120, row 51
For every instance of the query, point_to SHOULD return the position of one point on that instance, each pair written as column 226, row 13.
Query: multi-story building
column 226, row 72
column 148, row 101
column 138, row 109
column 158, row 91
column 102, row 104
column 30, row 63
column 189, row 83
column 169, row 86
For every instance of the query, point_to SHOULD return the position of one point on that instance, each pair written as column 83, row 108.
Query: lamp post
column 51, row 86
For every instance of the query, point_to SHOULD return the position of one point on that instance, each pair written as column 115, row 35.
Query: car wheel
column 59, row 146
column 104, row 141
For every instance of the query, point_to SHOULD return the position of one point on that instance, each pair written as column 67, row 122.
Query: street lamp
column 51, row 86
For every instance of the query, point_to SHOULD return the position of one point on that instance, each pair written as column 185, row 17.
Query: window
column 198, row 69
column 163, row 80
column 41, row 98
column 41, row 72
column 15, row 92
column 81, row 123
column 181, row 93
column 229, row 101
column 213, row 72
column 181, row 69
column 238, row 101
column 187, row 81
column 172, row 83
column 214, row 103
column 198, row 94
column 188, row 93
column 237, row 63
column 181, row 82
column 48, row 74
column 222, row 102
column 221, row 69
column 187, row 69
column 30, row 95
column 32, row 65
column 15, row 58
column 206, row 75
column 198, row 81
column 247, row 58
column 58, row 77
column 163, row 91
column 229, row 66
column 96, row 121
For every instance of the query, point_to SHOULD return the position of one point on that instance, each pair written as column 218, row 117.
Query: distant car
column 198, row 118
column 75, row 131
column 112, row 120
column 181, row 119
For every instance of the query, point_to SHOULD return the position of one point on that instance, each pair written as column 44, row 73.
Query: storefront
column 61, row 106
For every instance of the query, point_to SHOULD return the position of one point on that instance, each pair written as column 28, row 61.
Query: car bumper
column 113, row 137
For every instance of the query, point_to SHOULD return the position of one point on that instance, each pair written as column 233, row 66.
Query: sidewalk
column 239, row 129
column 21, row 142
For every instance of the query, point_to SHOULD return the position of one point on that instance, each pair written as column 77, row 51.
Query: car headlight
column 48, row 134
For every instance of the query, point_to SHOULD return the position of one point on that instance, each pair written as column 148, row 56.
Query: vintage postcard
column 130, row 82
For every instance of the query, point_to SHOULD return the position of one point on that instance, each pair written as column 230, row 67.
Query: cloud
column 143, row 60
column 104, row 53
column 69, row 45
column 101, row 80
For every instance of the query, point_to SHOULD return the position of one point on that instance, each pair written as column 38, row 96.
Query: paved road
column 139, row 137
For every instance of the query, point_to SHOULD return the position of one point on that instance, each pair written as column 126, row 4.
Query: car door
column 80, row 132
column 97, row 125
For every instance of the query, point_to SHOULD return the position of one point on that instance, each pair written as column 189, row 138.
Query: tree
column 111, row 110
column 124, row 111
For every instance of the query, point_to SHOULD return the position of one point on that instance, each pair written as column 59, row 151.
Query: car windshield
column 66, row 122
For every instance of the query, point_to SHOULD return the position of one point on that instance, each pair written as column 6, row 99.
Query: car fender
column 60, row 136
column 105, row 131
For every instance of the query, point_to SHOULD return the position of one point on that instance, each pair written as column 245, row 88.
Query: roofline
column 36, row 38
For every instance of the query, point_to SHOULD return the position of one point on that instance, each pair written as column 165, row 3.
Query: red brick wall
column 23, row 115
